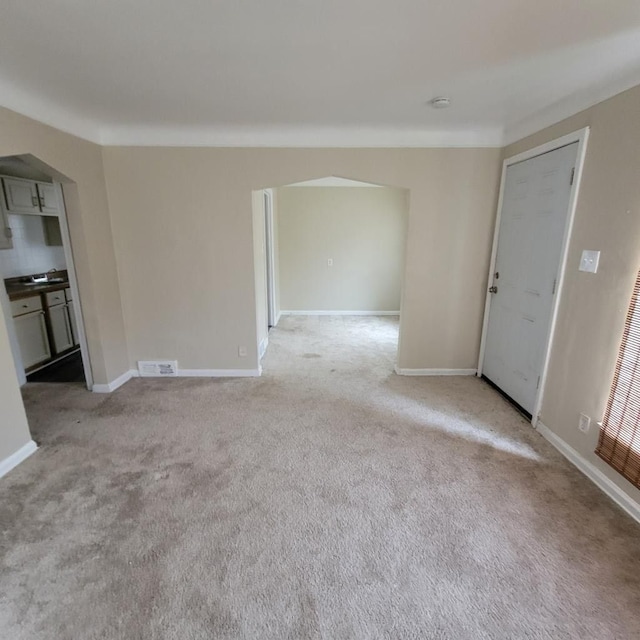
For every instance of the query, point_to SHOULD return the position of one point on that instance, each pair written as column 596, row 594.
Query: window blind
column 619, row 441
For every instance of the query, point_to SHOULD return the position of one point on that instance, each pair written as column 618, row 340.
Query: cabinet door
column 60, row 328
column 5, row 232
column 48, row 197
column 21, row 196
column 31, row 332
column 72, row 320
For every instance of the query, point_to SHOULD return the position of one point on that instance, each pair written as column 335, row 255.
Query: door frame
column 73, row 284
column 581, row 136
column 272, row 319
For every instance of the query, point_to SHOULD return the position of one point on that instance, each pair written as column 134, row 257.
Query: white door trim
column 73, row 283
column 581, row 137
column 271, row 262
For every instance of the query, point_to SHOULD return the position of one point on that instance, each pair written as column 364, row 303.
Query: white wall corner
column 16, row 458
column 592, row 472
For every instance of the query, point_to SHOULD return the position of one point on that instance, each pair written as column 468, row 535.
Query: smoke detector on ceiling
column 440, row 102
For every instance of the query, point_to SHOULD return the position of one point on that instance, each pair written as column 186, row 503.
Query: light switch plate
column 589, row 261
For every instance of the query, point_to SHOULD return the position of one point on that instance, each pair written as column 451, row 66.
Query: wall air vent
column 157, row 368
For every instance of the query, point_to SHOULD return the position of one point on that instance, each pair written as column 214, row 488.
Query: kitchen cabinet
column 48, row 198
column 59, row 321
column 31, row 331
column 5, row 232
column 28, row 196
column 60, row 328
column 21, row 196
column 72, row 317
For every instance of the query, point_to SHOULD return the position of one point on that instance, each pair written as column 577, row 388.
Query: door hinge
column 573, row 174
column 553, row 288
column 538, row 383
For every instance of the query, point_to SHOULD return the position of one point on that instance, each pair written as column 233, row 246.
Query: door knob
column 493, row 289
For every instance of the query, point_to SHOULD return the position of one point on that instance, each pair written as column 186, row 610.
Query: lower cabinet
column 45, row 327
column 60, row 328
column 74, row 324
column 31, row 332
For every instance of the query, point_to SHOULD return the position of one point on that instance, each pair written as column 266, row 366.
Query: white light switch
column 589, row 261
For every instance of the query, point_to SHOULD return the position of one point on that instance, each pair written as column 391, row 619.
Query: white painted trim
column 263, row 347
column 581, row 137
column 270, row 258
column 16, row 458
column 339, row 313
column 592, row 472
column 567, row 107
column 301, row 137
column 278, row 316
column 114, row 384
column 434, row 372
column 73, row 284
column 219, row 373
column 181, row 373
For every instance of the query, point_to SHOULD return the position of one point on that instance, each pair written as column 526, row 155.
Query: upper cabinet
column 21, row 196
column 27, row 196
column 48, row 198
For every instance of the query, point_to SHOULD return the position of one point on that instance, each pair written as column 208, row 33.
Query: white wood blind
column 619, row 442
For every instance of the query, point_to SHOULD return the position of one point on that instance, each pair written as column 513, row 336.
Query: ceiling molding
column 299, row 137
column 569, row 106
column 48, row 113
column 80, row 126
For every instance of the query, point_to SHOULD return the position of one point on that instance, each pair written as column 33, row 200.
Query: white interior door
column 533, row 219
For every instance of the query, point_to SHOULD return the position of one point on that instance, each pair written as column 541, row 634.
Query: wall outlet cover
column 589, row 261
column 584, row 423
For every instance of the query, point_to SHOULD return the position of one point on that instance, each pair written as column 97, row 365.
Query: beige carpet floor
column 328, row 499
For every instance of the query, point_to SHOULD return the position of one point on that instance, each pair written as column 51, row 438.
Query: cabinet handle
column 42, row 202
column 25, row 306
column 34, row 201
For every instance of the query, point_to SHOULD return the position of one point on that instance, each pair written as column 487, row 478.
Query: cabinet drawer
column 55, row 297
column 68, row 294
column 26, row 305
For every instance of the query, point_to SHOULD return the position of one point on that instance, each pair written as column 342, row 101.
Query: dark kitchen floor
column 68, row 369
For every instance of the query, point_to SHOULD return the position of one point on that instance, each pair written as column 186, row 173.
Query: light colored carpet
column 328, row 499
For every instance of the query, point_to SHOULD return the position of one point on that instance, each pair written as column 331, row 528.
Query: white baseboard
column 340, row 313
column 435, row 372
column 218, row 373
column 182, row 373
column 263, row 348
column 278, row 316
column 114, row 384
column 593, row 473
column 16, row 458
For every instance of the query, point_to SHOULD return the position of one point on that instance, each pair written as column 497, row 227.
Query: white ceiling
column 313, row 72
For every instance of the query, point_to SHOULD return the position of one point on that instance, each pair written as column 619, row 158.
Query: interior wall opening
column 329, row 258
column 39, row 297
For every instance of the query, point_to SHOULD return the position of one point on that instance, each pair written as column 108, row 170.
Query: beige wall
column 182, row 222
column 362, row 229
column 92, row 244
column 14, row 430
column 592, row 308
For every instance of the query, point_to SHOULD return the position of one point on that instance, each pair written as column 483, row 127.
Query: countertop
column 21, row 290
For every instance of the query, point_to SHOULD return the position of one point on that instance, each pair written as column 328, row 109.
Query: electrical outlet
column 330, row 262
column 584, row 423
column 242, row 352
